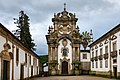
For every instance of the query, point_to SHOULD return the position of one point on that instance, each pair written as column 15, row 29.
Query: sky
column 98, row 15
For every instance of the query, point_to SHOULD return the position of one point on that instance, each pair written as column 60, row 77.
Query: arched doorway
column 6, row 57
column 6, row 70
column 64, row 67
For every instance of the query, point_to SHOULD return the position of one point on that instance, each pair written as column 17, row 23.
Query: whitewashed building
column 85, row 61
column 16, row 60
column 105, row 53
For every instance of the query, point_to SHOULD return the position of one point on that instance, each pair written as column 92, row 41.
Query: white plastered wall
column 2, row 41
column 85, row 60
column 103, row 60
column 118, row 51
column 0, row 68
column 69, row 53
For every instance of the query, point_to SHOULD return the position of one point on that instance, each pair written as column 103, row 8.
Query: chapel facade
column 64, row 41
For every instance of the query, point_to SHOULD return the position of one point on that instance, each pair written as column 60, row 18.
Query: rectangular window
column 106, row 49
column 119, row 51
column 93, row 64
column 96, row 52
column 37, row 70
column 100, row 63
column 17, row 56
column 92, row 54
column 114, row 61
column 96, row 64
column 26, row 58
column 114, row 46
column 106, row 63
column 84, row 56
column 30, row 59
column 101, row 51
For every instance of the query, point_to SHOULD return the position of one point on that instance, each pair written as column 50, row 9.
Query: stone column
column 49, row 53
column 49, row 57
column 55, row 55
column 78, row 53
column 73, row 53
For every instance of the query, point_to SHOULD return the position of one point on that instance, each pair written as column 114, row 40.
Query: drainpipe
column 110, row 55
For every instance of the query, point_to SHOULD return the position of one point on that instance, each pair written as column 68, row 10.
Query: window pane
column 84, row 56
column 64, row 52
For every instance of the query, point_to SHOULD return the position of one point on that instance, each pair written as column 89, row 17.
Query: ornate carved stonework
column 113, row 37
column 64, row 51
column 64, row 29
column 106, row 41
column 64, row 42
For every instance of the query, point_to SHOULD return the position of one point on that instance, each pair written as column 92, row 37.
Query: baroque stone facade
column 64, row 41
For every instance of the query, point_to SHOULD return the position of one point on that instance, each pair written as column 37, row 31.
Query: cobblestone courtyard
column 71, row 78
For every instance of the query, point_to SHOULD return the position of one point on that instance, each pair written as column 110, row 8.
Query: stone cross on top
column 64, row 6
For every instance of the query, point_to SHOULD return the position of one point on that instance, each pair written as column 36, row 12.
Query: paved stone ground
column 71, row 78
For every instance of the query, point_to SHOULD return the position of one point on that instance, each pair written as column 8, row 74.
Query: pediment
column 113, row 37
column 100, row 45
column 96, row 47
column 64, row 59
column 106, row 41
column 6, row 55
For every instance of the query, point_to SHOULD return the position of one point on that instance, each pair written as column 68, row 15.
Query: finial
column 64, row 6
column 74, row 15
column 54, row 14
column 91, row 32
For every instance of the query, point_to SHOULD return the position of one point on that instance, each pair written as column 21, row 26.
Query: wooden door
column 64, row 67
column 115, row 72
column 22, row 72
column 6, row 70
column 31, row 71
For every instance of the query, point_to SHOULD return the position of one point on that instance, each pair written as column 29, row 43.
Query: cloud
column 99, row 15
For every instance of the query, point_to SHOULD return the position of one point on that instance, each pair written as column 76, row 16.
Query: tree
column 85, row 39
column 24, row 31
column 43, row 59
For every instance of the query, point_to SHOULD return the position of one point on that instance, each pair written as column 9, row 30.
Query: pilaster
column 13, row 62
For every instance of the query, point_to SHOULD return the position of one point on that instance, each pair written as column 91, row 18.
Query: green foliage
column 24, row 25
column 43, row 59
column 76, row 34
column 85, row 39
column 85, row 35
